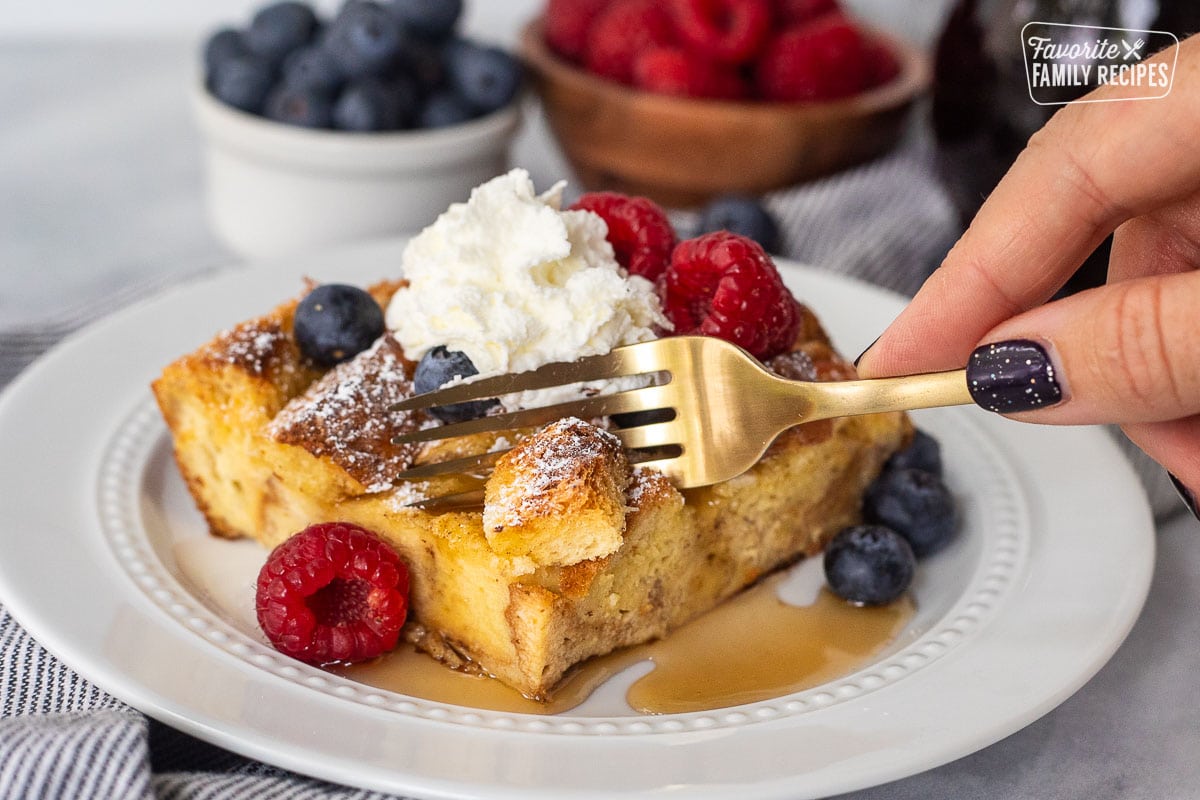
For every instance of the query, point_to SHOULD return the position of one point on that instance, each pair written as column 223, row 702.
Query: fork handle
column 850, row 398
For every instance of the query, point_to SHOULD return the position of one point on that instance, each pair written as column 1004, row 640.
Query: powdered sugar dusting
column 558, row 454
column 406, row 493
column 256, row 346
column 641, row 482
column 345, row 416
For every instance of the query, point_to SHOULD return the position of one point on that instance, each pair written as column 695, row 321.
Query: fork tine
column 459, row 501
column 649, row 397
column 467, row 465
column 597, row 367
column 471, row 499
column 480, row 466
column 630, row 360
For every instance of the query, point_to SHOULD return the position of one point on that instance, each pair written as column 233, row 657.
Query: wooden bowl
column 683, row 151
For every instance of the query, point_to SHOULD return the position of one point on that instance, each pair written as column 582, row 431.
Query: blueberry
column 923, row 453
column 365, row 40
column 280, row 28
column 312, row 67
column 335, row 322
column 444, row 108
column 741, row 215
column 914, row 503
column 486, row 77
column 307, row 108
column 242, row 82
column 869, row 565
column 370, row 104
column 425, row 63
column 222, row 46
column 440, row 366
column 431, row 20
column 406, row 93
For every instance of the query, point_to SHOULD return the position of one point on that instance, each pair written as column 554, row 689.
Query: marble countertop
column 100, row 171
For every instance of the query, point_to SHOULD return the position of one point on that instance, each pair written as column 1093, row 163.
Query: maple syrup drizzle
column 753, row 647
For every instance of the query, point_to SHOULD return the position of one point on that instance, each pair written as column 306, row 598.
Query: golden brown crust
column 345, row 416
column 216, row 399
column 558, row 496
column 810, row 327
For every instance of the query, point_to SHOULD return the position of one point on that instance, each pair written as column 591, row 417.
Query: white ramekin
column 274, row 190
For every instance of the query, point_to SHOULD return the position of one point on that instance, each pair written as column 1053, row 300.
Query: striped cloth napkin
column 61, row 738
column 887, row 222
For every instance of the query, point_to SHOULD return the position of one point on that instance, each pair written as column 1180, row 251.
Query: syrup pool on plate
column 753, row 647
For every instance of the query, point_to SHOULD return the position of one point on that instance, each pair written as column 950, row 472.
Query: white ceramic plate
column 106, row 562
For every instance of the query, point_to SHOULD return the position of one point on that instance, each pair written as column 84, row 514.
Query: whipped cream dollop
column 515, row 282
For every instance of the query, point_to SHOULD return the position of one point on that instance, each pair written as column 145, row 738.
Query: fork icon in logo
column 1133, row 51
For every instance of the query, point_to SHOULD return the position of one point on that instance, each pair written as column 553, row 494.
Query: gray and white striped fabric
column 75, row 754
column 887, row 222
column 63, row 739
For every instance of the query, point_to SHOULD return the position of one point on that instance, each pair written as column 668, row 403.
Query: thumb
column 1123, row 353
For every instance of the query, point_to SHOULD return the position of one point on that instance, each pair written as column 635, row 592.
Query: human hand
column 1125, row 353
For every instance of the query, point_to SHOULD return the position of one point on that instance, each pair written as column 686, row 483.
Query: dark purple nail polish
column 1007, row 377
column 1185, row 494
column 865, row 349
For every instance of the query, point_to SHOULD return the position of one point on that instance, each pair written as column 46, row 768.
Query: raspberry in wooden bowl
column 688, row 99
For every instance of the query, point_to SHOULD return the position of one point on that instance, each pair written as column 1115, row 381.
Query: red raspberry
column 823, row 60
column 725, row 285
column 333, row 592
column 794, row 12
column 566, row 25
column 732, row 31
column 673, row 70
column 620, row 32
column 882, row 62
column 638, row 230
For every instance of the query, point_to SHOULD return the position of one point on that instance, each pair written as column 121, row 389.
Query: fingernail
column 864, row 352
column 1008, row 377
column 1185, row 494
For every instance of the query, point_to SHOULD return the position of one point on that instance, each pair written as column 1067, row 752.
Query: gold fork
column 727, row 407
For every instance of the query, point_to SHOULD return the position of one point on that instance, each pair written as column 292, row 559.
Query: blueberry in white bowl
column 221, row 46
column 486, row 77
column 307, row 108
column 444, row 109
column 289, row 66
column 313, row 67
column 371, row 104
column 280, row 28
column 431, row 20
column 364, row 39
column 241, row 80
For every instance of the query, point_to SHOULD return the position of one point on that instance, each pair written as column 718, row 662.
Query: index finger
column 1092, row 167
